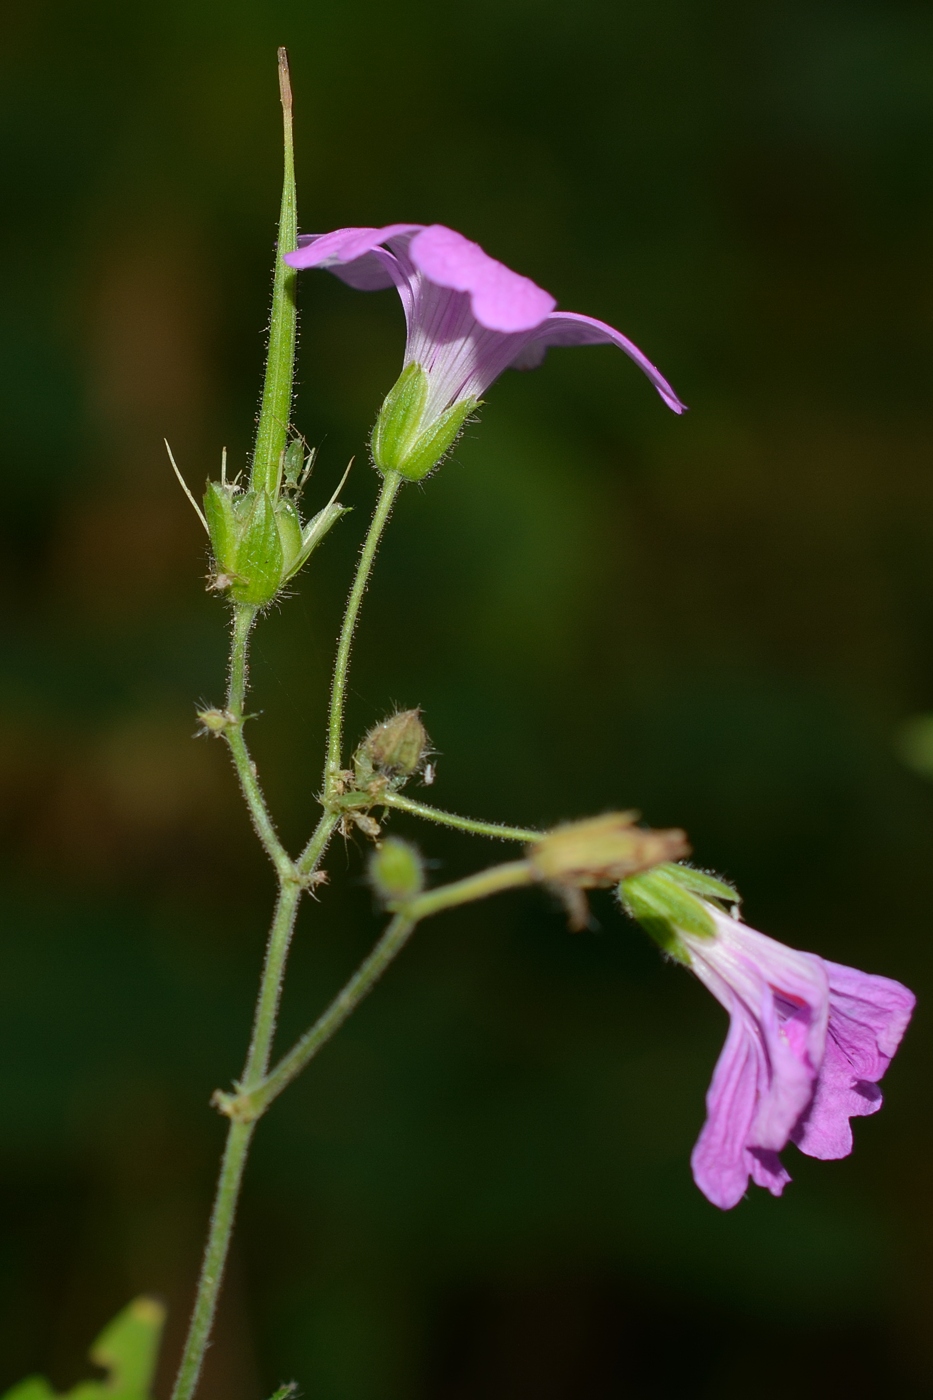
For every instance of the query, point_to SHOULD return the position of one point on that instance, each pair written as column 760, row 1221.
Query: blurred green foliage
column 127, row 1350
column 482, row 1188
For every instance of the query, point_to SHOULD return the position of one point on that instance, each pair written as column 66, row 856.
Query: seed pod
column 601, row 851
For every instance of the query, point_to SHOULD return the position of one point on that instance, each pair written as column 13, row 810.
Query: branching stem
column 478, row 828
column 250, row 1104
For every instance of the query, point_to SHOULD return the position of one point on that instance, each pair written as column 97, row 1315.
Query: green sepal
column 289, row 523
column 665, row 909
column 312, row 534
column 434, row 444
column 699, row 882
column 127, row 1350
column 223, row 526
column 399, row 420
column 258, row 567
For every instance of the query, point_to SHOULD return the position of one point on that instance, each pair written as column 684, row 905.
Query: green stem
column 238, row 1139
column 271, row 437
column 291, row 878
column 390, row 485
column 215, row 1258
column 434, row 814
column 308, row 860
column 275, row 411
column 270, row 987
column 510, row 876
column 251, row 1104
column 243, row 618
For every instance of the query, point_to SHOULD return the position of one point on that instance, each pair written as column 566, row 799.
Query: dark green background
column 482, row 1189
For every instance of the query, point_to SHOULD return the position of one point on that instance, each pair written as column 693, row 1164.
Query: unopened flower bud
column 396, row 873
column 601, row 851
column 394, row 749
column 404, row 439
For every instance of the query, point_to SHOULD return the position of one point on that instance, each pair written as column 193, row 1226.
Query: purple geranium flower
column 469, row 318
column 808, row 1042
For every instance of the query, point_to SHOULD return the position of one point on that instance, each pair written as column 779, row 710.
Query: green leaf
column 284, row 1392
column 127, row 1350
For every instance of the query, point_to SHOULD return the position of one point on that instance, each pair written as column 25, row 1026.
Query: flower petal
column 867, row 1019
column 778, row 1004
column 570, row 328
column 719, row 1160
column 502, row 300
column 343, row 245
column 785, row 993
column 766, row 1169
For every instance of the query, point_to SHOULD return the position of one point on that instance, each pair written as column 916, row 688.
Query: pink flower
column 808, row 1042
column 469, row 317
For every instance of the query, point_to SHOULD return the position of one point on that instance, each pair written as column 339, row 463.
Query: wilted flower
column 808, row 1039
column 469, row 318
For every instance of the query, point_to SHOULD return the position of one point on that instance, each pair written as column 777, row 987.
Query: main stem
column 390, row 485
column 237, row 1146
column 292, row 876
column 271, row 437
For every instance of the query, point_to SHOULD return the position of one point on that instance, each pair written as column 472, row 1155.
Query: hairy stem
column 390, row 485
column 271, row 437
column 307, row 862
column 478, row 828
column 215, row 1258
column 243, row 618
column 252, row 1103
column 274, row 414
column 238, row 1140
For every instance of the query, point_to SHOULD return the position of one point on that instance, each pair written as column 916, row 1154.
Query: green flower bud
column 401, row 440
column 396, row 872
column 393, row 750
column 671, row 898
